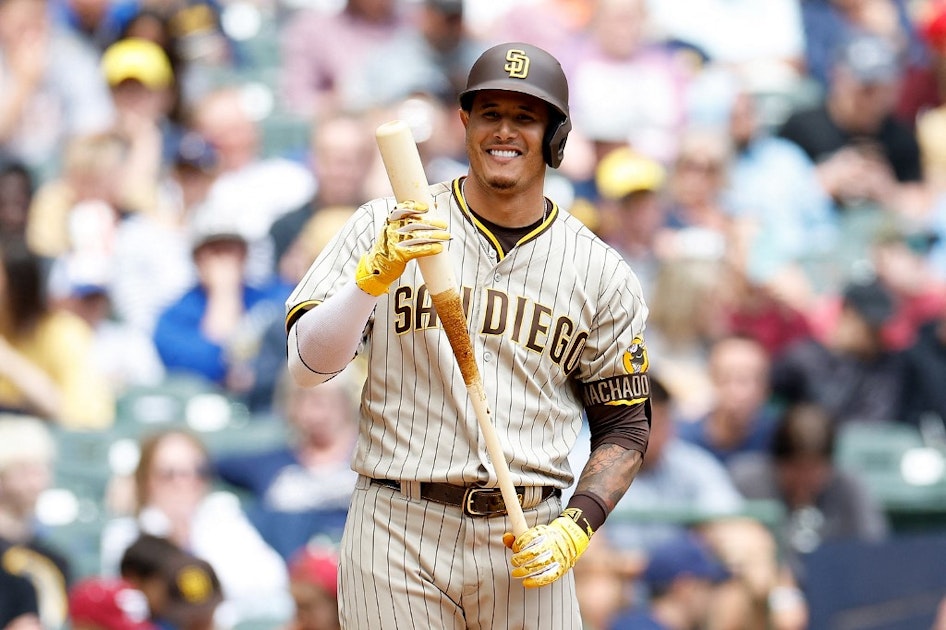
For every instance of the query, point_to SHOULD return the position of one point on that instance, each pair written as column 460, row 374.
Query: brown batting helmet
column 527, row 69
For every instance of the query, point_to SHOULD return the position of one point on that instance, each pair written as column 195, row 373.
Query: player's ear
column 464, row 116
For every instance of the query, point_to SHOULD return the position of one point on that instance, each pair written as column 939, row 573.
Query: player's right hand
column 407, row 234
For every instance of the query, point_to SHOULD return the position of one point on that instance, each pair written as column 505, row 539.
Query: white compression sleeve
column 324, row 340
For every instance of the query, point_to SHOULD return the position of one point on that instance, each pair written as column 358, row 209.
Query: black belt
column 474, row 500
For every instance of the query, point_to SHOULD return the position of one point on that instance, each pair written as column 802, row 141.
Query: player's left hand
column 542, row 554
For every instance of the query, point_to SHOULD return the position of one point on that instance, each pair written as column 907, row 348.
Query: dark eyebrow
column 525, row 107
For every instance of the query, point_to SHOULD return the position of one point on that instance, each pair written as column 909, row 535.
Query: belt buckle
column 470, row 495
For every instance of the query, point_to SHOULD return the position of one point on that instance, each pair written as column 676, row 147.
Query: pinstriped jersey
column 556, row 323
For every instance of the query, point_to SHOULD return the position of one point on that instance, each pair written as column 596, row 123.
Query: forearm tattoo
column 609, row 473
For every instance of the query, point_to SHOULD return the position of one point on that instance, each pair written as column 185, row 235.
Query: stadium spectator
column 774, row 312
column 849, row 372
column 142, row 84
column 78, row 211
column 50, row 86
column 741, row 418
column 822, row 502
column 154, row 24
column 174, row 499
column 432, row 57
column 607, row 69
column 679, row 482
column 605, row 583
column 46, row 364
column 629, row 186
column 98, row 22
column 123, row 354
column 302, row 489
column 313, row 574
column 763, row 591
column 688, row 310
column 195, row 599
column 697, row 219
column 863, row 153
column 108, row 604
column 773, row 191
column 323, row 50
column 213, row 330
column 153, row 250
column 342, row 152
column 181, row 591
column 828, row 23
column 251, row 191
column 19, row 609
column 27, row 453
column 902, row 253
column 16, row 192
column 681, row 576
column 142, row 565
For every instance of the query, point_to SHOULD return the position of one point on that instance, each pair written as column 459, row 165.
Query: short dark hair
column 145, row 558
column 803, row 429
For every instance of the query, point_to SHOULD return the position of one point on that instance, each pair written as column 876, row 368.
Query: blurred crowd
column 773, row 170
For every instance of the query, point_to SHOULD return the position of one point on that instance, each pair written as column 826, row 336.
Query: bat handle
column 506, row 486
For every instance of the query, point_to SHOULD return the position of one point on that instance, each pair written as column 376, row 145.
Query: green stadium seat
column 902, row 472
column 247, row 435
column 260, row 624
column 179, row 401
column 82, row 462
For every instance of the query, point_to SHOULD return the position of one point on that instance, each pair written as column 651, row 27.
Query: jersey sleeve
column 614, row 361
column 335, row 265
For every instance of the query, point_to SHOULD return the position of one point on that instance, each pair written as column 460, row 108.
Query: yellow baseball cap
column 624, row 171
column 138, row 59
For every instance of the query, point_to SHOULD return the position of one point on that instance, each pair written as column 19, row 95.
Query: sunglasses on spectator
column 182, row 472
column 709, row 167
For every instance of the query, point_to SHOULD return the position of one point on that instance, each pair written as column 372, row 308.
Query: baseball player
column 557, row 320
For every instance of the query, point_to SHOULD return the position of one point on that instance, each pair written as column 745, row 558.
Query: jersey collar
column 485, row 231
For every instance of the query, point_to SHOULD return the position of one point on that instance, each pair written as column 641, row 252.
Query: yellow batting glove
column 407, row 234
column 543, row 553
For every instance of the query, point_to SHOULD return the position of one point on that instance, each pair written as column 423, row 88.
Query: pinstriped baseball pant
column 411, row 563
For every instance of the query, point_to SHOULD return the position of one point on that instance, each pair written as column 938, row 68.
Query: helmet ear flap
column 555, row 137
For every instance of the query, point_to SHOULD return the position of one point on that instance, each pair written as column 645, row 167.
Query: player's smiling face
column 504, row 138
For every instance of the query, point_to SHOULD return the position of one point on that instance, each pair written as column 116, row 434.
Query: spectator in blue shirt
column 213, row 330
column 741, row 419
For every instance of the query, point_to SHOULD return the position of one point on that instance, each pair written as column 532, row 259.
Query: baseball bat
column 409, row 183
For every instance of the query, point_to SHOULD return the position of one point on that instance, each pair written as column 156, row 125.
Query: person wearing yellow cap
column 141, row 80
column 629, row 188
column 136, row 59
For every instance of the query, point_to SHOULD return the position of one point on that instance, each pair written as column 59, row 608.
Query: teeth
column 508, row 154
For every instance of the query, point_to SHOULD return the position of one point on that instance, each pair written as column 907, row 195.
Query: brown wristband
column 593, row 510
